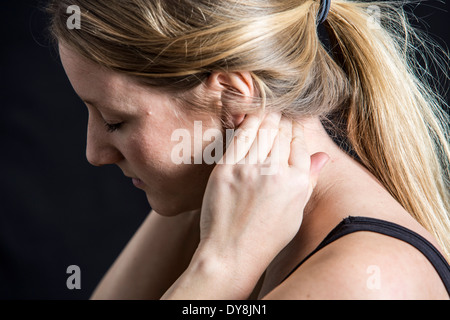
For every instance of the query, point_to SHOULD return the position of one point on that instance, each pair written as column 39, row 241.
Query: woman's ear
column 239, row 82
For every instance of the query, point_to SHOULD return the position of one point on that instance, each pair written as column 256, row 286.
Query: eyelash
column 112, row 127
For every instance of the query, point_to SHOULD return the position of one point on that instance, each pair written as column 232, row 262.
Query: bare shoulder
column 364, row 265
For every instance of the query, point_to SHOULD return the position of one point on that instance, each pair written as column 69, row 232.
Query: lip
column 137, row 182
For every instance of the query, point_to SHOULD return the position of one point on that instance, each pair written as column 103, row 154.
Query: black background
column 56, row 210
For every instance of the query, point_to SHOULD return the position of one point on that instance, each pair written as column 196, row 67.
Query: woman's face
column 141, row 145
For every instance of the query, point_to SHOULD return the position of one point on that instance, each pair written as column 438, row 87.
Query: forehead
column 92, row 81
column 113, row 90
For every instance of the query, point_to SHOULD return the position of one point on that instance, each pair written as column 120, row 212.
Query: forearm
column 154, row 258
column 212, row 276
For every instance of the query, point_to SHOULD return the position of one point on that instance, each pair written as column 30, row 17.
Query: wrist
column 209, row 277
column 216, row 273
column 237, row 268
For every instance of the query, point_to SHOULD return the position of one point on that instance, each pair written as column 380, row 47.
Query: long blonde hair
column 368, row 85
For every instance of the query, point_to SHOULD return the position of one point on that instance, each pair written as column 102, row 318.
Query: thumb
column 318, row 161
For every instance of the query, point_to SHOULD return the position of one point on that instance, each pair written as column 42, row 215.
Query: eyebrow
column 100, row 105
column 93, row 103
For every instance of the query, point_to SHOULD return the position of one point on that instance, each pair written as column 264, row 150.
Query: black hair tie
column 323, row 11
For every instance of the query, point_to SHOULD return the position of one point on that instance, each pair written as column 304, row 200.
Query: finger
column 299, row 156
column 318, row 162
column 242, row 139
column 282, row 144
column 267, row 132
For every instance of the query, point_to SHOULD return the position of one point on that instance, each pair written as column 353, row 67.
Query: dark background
column 56, row 210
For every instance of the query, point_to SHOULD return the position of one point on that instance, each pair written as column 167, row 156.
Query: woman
column 239, row 228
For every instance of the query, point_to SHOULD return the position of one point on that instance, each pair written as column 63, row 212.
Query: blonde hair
column 369, row 85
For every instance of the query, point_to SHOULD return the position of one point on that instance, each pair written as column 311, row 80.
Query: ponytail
column 393, row 119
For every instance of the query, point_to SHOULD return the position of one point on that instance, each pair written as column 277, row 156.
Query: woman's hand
column 252, row 207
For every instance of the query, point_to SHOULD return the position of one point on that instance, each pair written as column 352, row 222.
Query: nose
column 100, row 149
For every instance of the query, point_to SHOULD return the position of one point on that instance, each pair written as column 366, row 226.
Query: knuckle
column 282, row 170
column 245, row 173
column 302, row 180
column 244, row 135
column 297, row 181
column 273, row 119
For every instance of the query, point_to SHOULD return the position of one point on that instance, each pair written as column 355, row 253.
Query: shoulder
column 364, row 265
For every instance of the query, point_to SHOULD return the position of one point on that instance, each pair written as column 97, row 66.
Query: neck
column 317, row 140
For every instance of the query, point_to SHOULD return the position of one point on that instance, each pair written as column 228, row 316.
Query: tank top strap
column 355, row 224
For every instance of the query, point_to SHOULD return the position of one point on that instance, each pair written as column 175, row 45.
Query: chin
column 169, row 207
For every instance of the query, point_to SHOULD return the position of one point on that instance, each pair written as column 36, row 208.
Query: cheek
column 170, row 145
column 148, row 151
column 171, row 187
column 157, row 147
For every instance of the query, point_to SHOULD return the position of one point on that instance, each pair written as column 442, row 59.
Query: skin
column 142, row 146
column 187, row 248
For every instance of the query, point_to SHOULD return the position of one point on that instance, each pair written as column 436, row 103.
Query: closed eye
column 111, row 127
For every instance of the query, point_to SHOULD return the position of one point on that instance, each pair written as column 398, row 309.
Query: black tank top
column 354, row 224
